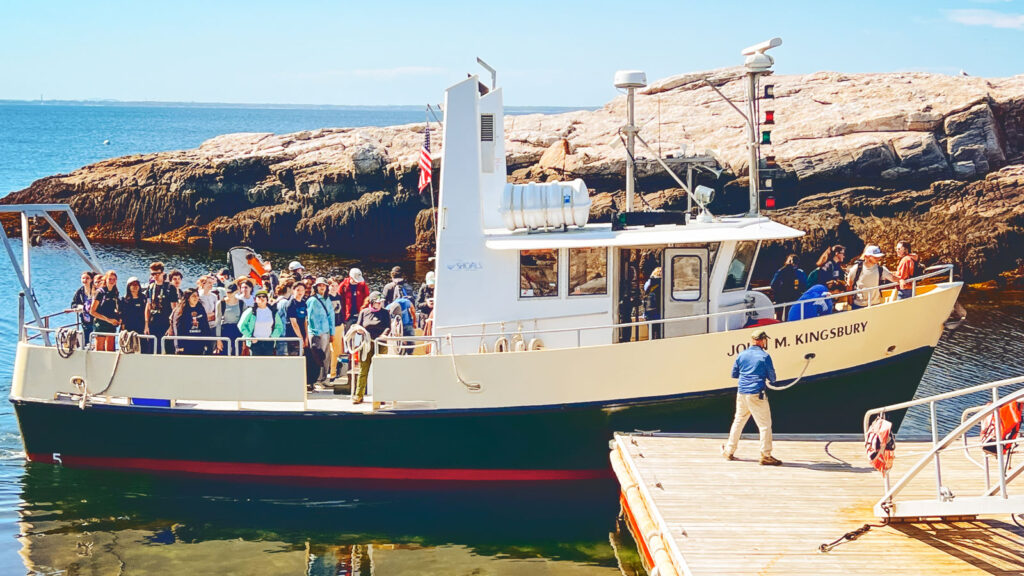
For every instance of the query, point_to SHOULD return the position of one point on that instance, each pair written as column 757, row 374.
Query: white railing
column 994, row 499
column 437, row 342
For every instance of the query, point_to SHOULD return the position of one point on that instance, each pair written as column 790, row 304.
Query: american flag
column 426, row 166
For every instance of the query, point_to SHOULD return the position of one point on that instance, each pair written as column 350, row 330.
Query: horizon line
column 263, row 105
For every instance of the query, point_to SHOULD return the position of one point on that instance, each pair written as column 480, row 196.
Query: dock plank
column 743, row 518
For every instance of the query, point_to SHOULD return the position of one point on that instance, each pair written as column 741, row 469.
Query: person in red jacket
column 354, row 292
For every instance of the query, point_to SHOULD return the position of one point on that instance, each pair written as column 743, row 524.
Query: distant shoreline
column 265, row 106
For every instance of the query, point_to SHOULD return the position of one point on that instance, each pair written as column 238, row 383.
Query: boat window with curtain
column 538, row 273
column 588, row 271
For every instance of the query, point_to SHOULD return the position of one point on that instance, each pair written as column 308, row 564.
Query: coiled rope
column 67, row 341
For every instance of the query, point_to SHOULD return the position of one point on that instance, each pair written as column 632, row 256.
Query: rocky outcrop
column 861, row 157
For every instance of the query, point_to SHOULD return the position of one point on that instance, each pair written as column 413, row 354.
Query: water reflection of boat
column 95, row 521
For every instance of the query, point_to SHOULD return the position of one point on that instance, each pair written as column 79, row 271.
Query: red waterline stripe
column 634, row 529
column 323, row 472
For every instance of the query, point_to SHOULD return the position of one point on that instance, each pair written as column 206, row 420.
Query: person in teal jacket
column 261, row 322
column 320, row 312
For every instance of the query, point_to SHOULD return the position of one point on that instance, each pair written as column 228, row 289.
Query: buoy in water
column 106, row 142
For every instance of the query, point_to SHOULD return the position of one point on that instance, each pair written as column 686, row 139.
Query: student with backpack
column 320, row 312
column 229, row 313
column 829, row 266
column 788, row 283
column 908, row 268
column 397, row 288
column 865, row 274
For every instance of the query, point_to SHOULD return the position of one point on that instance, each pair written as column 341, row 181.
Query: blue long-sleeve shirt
column 753, row 366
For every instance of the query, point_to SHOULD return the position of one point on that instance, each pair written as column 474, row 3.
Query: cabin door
column 685, row 292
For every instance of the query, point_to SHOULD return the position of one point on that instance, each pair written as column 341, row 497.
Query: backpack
column 222, row 306
column 859, row 263
column 919, row 269
column 403, row 290
column 812, row 278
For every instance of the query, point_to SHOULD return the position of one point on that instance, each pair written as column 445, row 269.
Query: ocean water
column 61, row 521
column 40, row 139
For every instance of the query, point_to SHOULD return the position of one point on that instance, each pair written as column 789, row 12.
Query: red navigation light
column 769, row 202
column 769, row 117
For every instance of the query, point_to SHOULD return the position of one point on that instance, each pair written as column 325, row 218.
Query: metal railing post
column 1000, row 457
column 935, row 442
column 21, row 316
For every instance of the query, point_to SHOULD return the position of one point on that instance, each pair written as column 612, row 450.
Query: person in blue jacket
column 816, row 302
column 320, row 312
column 753, row 369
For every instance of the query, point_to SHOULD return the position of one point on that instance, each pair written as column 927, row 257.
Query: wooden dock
column 692, row 512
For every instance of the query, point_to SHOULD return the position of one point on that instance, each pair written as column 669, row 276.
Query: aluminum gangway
column 990, row 492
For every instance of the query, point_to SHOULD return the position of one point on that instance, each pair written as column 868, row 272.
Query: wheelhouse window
column 588, row 271
column 686, row 278
column 739, row 268
column 538, row 273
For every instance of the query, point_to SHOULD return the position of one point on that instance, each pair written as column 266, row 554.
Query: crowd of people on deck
column 815, row 292
column 249, row 315
column 864, row 277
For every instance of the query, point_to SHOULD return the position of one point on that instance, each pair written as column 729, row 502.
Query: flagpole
column 433, row 209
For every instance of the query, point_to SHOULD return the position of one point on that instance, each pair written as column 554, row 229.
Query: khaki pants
column 337, row 348
column 364, row 373
column 748, row 405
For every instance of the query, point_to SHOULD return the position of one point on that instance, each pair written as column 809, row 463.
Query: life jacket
column 880, row 444
column 1009, row 424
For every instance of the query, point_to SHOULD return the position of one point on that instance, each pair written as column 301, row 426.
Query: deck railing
column 995, row 498
column 444, row 344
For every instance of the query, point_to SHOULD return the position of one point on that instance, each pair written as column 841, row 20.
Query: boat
column 532, row 362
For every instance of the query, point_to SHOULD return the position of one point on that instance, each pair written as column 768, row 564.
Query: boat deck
column 742, row 518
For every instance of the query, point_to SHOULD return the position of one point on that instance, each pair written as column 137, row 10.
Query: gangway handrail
column 888, row 507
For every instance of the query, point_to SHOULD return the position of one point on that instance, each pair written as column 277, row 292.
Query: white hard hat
column 295, row 265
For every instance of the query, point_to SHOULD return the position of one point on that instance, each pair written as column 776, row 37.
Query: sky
column 547, row 52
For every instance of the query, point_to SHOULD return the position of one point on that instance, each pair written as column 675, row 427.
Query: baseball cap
column 376, row 296
column 356, row 274
column 873, row 250
column 759, row 334
column 430, row 278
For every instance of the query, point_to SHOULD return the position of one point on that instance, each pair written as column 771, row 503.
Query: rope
column 833, row 456
column 808, row 357
column 67, row 341
column 128, row 342
column 471, row 386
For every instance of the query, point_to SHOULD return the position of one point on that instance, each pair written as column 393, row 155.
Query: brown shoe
column 770, row 461
column 357, row 400
column 727, row 456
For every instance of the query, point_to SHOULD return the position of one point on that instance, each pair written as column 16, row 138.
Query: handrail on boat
column 930, row 273
column 943, row 504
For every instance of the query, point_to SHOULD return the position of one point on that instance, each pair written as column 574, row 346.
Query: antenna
column 630, row 80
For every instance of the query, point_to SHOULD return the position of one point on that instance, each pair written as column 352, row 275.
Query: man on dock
column 753, row 368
